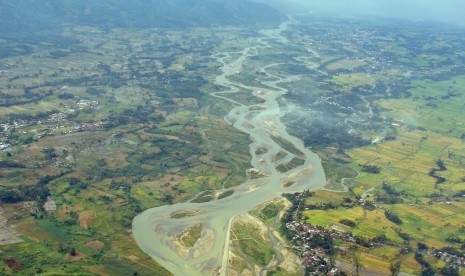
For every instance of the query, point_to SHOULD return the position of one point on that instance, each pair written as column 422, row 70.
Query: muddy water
column 155, row 228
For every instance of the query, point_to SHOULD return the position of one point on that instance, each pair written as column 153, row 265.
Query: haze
column 447, row 11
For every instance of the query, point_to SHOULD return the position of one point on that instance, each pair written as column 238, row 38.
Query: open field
column 346, row 64
column 349, row 81
column 252, row 249
column 336, row 174
column 250, row 239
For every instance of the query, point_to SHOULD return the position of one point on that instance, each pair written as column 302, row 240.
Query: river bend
column 154, row 229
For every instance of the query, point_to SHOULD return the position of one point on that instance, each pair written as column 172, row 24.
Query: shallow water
column 154, row 229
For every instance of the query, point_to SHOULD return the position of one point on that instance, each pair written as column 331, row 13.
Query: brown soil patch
column 239, row 156
column 13, row 264
column 117, row 159
column 31, row 230
column 208, row 160
column 115, row 179
column 86, row 218
column 77, row 175
column 79, row 256
column 65, row 209
column 193, row 158
column 165, row 183
column 96, row 245
column 346, row 267
column 13, row 92
column 167, row 137
column 189, row 130
column 133, row 258
column 172, row 179
column 220, row 170
column 222, row 175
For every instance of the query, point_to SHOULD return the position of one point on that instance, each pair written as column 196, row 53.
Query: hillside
column 25, row 16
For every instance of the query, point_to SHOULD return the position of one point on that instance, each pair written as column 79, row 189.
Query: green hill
column 22, row 17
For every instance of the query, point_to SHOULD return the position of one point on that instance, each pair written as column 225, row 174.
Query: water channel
column 155, row 228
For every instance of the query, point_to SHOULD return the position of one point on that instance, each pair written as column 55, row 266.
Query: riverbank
column 155, row 229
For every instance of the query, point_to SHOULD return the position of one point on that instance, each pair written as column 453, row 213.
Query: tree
column 428, row 272
column 441, row 165
column 370, row 169
column 450, row 270
column 395, row 268
column 49, row 152
column 393, row 217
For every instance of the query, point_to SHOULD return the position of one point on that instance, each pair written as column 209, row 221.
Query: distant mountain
column 26, row 16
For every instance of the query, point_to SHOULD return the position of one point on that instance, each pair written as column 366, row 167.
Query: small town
column 54, row 124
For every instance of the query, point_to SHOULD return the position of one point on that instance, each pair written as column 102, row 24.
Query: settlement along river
column 155, row 229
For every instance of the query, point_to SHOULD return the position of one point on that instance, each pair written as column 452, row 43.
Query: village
column 316, row 244
column 56, row 123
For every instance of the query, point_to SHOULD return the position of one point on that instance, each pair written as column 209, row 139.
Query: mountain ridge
column 26, row 16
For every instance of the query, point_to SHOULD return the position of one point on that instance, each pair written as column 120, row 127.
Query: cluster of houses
column 447, row 257
column 56, row 118
column 315, row 258
column 79, row 127
column 305, row 231
column 3, row 145
column 52, row 118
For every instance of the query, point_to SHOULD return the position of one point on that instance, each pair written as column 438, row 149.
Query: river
column 155, row 228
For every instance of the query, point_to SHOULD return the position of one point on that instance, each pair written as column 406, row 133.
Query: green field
column 111, row 122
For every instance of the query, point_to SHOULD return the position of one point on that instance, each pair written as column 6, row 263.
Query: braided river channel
column 155, row 229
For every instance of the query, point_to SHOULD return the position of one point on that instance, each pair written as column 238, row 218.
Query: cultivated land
column 105, row 130
column 113, row 123
column 404, row 102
